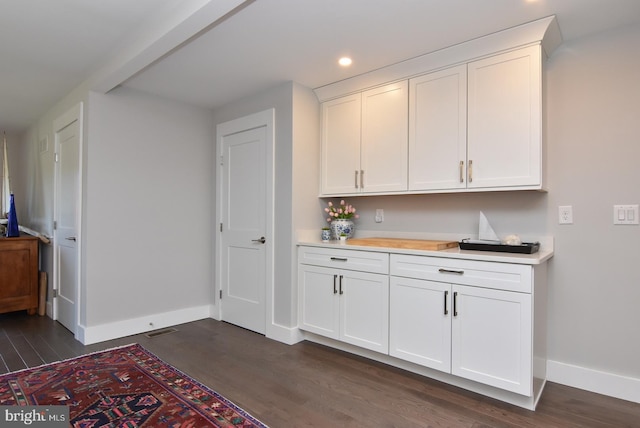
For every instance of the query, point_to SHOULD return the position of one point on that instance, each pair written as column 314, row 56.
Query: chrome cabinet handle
column 356, row 180
column 461, row 171
column 261, row 240
column 362, row 178
column 470, row 171
column 455, row 272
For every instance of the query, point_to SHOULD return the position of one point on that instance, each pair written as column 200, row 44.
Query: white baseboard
column 288, row 335
column 100, row 333
column 623, row 387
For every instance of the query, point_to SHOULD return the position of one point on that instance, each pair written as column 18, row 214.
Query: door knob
column 261, row 240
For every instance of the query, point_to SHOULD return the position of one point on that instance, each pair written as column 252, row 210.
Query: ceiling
column 49, row 47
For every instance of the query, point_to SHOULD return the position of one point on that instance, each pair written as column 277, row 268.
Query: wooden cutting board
column 409, row 244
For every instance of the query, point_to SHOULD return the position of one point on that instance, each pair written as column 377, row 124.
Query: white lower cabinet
column 420, row 322
column 346, row 305
column 491, row 337
column 474, row 332
column 470, row 319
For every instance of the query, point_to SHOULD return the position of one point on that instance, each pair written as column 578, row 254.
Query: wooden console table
column 19, row 274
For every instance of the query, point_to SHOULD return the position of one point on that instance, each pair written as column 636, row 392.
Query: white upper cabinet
column 438, row 130
column 471, row 116
column 505, row 120
column 364, row 142
column 341, row 145
column 384, row 139
column 472, row 127
column 478, row 125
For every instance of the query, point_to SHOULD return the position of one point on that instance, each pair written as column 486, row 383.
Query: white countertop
column 544, row 254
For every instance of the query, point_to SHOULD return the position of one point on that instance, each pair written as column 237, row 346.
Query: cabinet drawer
column 367, row 261
column 500, row 276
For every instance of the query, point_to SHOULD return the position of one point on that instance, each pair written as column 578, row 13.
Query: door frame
column 264, row 118
column 72, row 115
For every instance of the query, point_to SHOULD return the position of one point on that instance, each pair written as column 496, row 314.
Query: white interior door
column 66, row 237
column 245, row 232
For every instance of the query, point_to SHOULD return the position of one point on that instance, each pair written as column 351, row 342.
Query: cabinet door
column 504, row 120
column 384, row 138
column 364, row 310
column 438, row 130
column 491, row 337
column 318, row 300
column 341, row 145
column 420, row 322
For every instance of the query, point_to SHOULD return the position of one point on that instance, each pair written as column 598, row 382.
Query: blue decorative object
column 340, row 226
column 326, row 235
column 12, row 223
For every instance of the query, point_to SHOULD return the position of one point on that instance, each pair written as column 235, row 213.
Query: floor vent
column 157, row 333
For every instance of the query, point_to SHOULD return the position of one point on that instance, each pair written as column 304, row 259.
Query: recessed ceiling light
column 345, row 61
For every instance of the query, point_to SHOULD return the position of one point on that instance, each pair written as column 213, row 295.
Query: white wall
column 148, row 209
column 147, row 240
column 306, row 173
column 593, row 114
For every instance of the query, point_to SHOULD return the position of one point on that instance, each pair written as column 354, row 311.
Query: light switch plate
column 625, row 214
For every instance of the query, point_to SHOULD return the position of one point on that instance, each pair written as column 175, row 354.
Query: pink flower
column 341, row 211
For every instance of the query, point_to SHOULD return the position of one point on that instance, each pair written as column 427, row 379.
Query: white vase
column 340, row 226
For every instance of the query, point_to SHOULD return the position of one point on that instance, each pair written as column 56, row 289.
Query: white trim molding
column 613, row 385
column 115, row 330
column 286, row 335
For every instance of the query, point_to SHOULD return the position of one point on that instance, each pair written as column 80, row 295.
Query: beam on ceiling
column 162, row 35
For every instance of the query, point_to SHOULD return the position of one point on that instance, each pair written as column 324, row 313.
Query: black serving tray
column 524, row 248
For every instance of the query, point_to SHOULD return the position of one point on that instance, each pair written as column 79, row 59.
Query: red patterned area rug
column 123, row 387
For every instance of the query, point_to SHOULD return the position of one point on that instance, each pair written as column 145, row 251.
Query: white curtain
column 5, row 190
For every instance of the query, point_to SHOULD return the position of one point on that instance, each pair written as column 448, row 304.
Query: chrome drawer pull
column 456, row 272
column 339, row 259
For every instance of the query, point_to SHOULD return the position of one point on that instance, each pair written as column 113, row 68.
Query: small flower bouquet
column 341, row 218
column 343, row 211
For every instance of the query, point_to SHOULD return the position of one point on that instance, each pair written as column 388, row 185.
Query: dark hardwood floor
column 309, row 385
